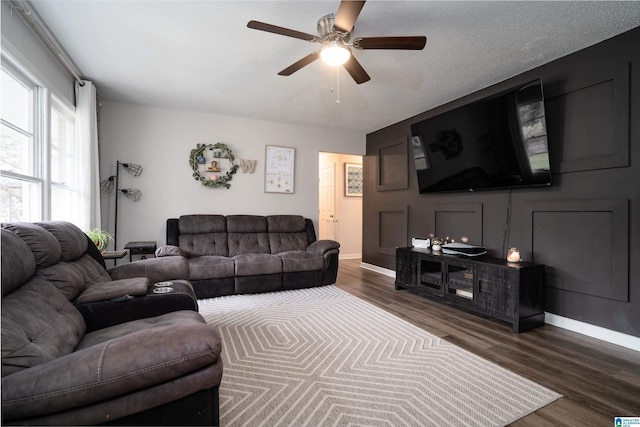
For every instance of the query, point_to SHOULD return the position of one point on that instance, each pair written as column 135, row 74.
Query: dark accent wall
column 585, row 228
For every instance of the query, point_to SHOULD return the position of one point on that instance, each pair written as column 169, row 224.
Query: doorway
column 340, row 213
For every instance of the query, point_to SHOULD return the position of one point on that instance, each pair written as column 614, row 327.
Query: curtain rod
column 31, row 18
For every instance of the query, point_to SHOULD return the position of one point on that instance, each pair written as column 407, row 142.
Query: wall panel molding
column 583, row 243
column 602, row 140
column 456, row 220
column 392, row 230
column 393, row 165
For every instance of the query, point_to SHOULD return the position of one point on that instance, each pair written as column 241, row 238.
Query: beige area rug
column 322, row 357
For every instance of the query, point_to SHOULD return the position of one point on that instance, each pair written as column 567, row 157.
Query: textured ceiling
column 199, row 55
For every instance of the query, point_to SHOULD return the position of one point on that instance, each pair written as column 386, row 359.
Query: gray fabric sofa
column 150, row 359
column 240, row 254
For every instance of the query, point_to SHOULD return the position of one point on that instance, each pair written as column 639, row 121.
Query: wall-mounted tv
column 497, row 142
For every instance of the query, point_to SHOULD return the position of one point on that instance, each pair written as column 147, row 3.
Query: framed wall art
column 352, row 180
column 279, row 169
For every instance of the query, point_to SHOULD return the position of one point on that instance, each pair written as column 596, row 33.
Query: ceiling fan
column 334, row 34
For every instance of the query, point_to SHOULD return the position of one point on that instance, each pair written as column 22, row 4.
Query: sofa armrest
column 155, row 269
column 115, row 368
column 169, row 250
column 321, row 247
column 329, row 250
column 115, row 289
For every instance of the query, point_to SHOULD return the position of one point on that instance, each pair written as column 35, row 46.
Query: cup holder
column 163, row 289
column 163, row 284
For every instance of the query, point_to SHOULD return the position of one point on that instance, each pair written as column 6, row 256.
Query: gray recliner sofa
column 150, row 359
column 240, row 254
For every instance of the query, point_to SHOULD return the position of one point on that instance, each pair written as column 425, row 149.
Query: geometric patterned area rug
column 322, row 357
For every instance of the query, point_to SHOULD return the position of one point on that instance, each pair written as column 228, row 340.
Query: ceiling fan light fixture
column 335, row 54
column 334, row 37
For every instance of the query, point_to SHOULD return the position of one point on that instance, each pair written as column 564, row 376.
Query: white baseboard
column 349, row 256
column 381, row 270
column 608, row 335
column 598, row 332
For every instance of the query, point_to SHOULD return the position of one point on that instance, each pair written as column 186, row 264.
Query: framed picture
column 279, row 168
column 352, row 179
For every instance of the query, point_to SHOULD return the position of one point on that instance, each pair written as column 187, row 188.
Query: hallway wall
column 348, row 209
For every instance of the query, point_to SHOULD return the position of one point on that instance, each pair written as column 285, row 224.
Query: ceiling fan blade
column 356, row 71
column 299, row 64
column 404, row 43
column 256, row 25
column 347, row 14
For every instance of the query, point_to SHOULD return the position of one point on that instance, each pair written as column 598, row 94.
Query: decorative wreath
column 222, row 180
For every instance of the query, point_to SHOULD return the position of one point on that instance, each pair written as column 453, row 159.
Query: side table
column 143, row 248
column 114, row 254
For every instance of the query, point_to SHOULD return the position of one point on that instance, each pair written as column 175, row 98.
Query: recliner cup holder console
column 162, row 287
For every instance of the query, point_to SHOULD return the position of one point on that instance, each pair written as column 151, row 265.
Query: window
column 22, row 183
column 38, row 154
column 64, row 203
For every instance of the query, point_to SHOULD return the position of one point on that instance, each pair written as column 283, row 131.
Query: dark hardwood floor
column 598, row 380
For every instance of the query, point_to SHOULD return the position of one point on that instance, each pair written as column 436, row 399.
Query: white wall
column 22, row 44
column 348, row 210
column 161, row 140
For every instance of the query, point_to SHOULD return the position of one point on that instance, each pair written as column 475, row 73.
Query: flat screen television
column 497, row 142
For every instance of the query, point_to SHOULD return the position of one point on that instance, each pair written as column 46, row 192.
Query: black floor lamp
column 112, row 183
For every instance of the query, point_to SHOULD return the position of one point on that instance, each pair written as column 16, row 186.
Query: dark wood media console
column 492, row 287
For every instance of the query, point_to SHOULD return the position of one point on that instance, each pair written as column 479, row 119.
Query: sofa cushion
column 246, row 224
column 44, row 246
column 248, row 243
column 73, row 242
column 194, row 245
column 38, row 325
column 73, row 277
column 300, row 261
column 115, row 361
column 64, row 277
column 257, row 264
column 247, row 234
column 211, row 267
column 103, row 336
column 202, row 235
column 283, row 242
column 18, row 263
column 198, row 224
column 287, row 233
column 286, row 224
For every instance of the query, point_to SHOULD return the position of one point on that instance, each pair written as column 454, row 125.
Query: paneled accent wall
column 392, row 230
column 602, row 141
column 584, row 244
column 393, row 165
column 585, row 227
column 457, row 221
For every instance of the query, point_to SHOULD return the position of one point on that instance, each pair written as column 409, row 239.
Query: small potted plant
column 100, row 238
column 436, row 243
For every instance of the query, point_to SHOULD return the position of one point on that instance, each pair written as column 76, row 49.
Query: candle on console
column 513, row 255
